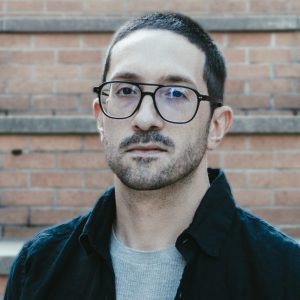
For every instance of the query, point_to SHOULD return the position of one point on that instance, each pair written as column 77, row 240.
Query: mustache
column 146, row 137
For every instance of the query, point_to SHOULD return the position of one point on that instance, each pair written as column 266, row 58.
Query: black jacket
column 230, row 254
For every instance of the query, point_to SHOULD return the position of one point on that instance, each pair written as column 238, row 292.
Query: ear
column 220, row 124
column 99, row 117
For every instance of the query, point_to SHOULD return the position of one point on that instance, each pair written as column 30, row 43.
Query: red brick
column 25, row 197
column 32, row 57
column 270, row 55
column 287, row 39
column 91, row 72
column 4, row 56
column 56, row 179
column 3, row 281
column 82, row 161
column 295, row 6
column 54, row 143
column 292, row 231
column 276, row 6
column 288, row 197
column 13, row 102
column 235, row 55
column 191, row 6
column 267, row 112
column 238, row 101
column 3, row 87
column 54, row 102
column 74, row 86
column 77, row 198
column 57, row 40
column 279, row 215
column 29, row 87
column 13, row 179
column 25, row 6
column 219, row 39
column 214, row 160
column 21, row 232
column 235, row 86
column 253, row 197
column 234, row 142
column 86, row 106
column 237, row 179
column 29, row 161
column 13, row 215
column 287, row 70
column 287, row 160
column 282, row 179
column 241, row 71
column 287, row 101
column 263, row 179
column 273, row 142
column 231, row 6
column 48, row 216
column 15, row 72
column 69, row 7
column 96, row 40
column 80, row 56
column 249, row 39
column 104, row 7
column 65, row 72
column 10, row 142
column 248, row 160
column 92, row 142
column 270, row 86
column 98, row 179
column 15, row 40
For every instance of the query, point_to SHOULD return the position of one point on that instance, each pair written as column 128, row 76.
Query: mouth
column 146, row 149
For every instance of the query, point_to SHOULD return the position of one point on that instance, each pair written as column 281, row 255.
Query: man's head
column 214, row 71
column 144, row 149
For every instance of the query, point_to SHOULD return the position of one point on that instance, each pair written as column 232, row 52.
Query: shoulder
column 266, row 240
column 55, row 235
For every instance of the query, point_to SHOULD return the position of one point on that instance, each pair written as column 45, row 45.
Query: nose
column 147, row 118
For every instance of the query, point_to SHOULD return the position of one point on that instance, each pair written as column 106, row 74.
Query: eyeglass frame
column 200, row 97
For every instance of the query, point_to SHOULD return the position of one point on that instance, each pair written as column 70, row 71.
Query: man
column 169, row 228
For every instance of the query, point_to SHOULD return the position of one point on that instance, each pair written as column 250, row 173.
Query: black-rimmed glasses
column 174, row 103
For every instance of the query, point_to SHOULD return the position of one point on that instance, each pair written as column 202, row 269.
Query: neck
column 151, row 220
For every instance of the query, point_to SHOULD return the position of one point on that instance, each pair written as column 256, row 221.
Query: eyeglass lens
column 174, row 103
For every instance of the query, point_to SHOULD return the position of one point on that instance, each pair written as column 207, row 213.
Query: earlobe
column 220, row 124
column 99, row 118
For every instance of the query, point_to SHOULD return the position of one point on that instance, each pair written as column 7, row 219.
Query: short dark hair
column 214, row 73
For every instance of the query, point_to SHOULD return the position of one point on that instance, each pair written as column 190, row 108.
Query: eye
column 174, row 93
column 127, row 91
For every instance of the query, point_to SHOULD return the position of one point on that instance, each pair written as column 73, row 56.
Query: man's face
column 144, row 151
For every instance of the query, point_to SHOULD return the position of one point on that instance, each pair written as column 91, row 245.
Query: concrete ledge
column 110, row 24
column 8, row 252
column 87, row 125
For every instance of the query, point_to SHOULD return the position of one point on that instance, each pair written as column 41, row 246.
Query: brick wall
column 46, row 178
column 133, row 7
column 57, row 177
column 54, row 73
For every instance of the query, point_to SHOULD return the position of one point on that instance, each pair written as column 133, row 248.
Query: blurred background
column 52, row 165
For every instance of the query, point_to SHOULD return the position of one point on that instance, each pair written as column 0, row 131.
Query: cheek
column 114, row 131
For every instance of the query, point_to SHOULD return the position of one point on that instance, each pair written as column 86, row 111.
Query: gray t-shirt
column 147, row 275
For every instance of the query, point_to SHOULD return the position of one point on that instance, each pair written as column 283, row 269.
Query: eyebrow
column 164, row 79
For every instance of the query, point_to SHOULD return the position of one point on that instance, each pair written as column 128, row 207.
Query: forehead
column 152, row 54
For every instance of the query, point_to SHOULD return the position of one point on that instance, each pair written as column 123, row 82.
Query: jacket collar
column 96, row 233
column 209, row 228
column 214, row 216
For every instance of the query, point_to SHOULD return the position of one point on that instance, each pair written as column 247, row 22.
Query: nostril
column 17, row 152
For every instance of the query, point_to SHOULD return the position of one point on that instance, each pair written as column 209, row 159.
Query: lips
column 146, row 148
